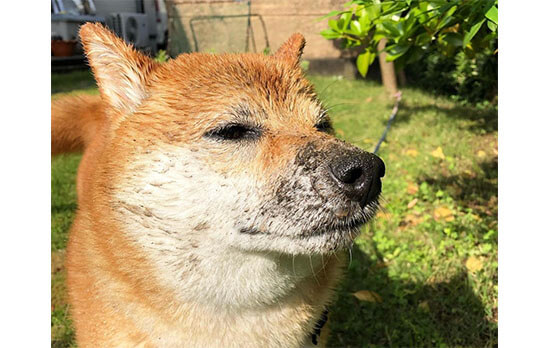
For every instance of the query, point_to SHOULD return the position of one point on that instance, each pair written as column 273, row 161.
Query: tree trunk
column 401, row 78
column 388, row 75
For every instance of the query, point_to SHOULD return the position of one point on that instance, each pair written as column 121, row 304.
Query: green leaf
column 472, row 32
column 414, row 54
column 344, row 20
column 365, row 23
column 363, row 61
column 331, row 14
column 447, row 18
column 356, row 28
column 351, row 42
column 390, row 28
column 396, row 51
column 423, row 39
column 453, row 39
column 492, row 26
column 492, row 14
column 330, row 34
column 333, row 24
column 373, row 11
column 408, row 24
column 420, row 13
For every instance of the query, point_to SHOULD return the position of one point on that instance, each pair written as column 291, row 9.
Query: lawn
column 424, row 272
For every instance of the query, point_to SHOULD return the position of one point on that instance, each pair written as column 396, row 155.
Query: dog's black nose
column 359, row 176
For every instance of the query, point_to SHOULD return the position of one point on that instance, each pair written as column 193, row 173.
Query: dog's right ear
column 291, row 50
column 121, row 72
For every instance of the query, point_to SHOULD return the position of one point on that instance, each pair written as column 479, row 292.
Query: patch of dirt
column 58, row 290
column 57, row 261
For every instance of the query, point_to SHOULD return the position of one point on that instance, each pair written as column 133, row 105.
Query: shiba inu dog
column 213, row 201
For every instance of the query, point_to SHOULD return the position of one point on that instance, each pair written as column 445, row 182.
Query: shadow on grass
column 410, row 315
column 486, row 120
column 420, row 313
column 63, row 208
column 477, row 191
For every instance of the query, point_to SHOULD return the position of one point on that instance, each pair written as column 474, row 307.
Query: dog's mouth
column 348, row 226
column 353, row 224
column 341, row 226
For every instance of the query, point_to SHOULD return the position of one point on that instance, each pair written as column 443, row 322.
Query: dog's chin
column 327, row 242
column 329, row 237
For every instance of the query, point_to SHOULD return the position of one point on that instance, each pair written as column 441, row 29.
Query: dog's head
column 234, row 149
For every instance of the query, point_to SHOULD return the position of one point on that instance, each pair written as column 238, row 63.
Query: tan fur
column 77, row 120
column 140, row 138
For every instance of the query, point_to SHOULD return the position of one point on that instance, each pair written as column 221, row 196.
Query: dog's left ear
column 121, row 72
column 291, row 50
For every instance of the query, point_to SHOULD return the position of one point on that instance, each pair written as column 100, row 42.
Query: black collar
column 318, row 327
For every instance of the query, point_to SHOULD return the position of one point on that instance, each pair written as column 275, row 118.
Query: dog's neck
column 231, row 279
column 273, row 298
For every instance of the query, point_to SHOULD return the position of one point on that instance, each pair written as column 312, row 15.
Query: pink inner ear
column 292, row 49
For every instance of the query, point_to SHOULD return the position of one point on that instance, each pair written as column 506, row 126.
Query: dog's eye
column 324, row 126
column 234, row 131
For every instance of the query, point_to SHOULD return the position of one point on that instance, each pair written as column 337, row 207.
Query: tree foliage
column 414, row 27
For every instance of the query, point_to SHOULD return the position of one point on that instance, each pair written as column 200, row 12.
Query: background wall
column 256, row 26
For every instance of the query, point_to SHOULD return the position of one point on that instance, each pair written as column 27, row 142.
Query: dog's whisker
column 323, row 264
column 312, row 270
column 350, row 257
column 293, row 265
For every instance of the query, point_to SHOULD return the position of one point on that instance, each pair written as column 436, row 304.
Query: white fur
column 183, row 214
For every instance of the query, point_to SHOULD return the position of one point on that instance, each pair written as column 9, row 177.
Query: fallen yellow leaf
column 368, row 296
column 412, row 220
column 383, row 215
column 473, row 264
column 412, row 203
column 443, row 213
column 438, row 153
column 380, row 264
column 340, row 132
column 412, row 188
column 476, row 217
column 411, row 152
column 424, row 306
column 368, row 141
column 470, row 173
column 481, row 154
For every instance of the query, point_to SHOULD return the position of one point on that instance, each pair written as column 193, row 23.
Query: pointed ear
column 292, row 49
column 121, row 72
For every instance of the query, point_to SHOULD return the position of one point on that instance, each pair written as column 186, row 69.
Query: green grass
column 431, row 255
column 74, row 81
